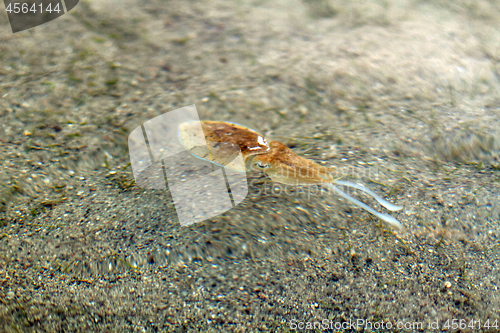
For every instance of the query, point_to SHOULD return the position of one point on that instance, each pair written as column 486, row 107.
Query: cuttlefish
column 220, row 142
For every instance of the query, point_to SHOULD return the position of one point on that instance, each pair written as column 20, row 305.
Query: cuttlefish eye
column 261, row 165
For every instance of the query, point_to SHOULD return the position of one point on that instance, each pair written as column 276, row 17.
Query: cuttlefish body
column 220, row 142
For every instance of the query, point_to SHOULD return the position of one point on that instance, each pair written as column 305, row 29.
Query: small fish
column 221, row 142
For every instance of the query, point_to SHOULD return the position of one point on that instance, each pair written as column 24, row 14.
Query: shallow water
column 402, row 95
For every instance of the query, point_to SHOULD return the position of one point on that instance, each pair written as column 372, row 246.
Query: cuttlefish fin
column 387, row 218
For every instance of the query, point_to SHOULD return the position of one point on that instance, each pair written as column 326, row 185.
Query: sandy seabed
column 402, row 94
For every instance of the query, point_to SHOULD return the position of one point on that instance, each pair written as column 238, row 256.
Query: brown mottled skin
column 277, row 160
column 218, row 131
column 284, row 166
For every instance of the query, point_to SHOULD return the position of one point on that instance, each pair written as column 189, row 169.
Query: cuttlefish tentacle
column 389, row 205
column 387, row 218
column 278, row 161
